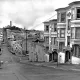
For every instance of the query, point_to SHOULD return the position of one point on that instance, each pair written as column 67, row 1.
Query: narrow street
column 12, row 69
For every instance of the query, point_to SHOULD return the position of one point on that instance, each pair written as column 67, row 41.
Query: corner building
column 68, row 31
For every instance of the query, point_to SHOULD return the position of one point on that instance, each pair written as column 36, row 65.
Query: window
column 47, row 27
column 72, row 13
column 72, row 33
column 58, row 33
column 58, row 17
column 51, row 40
column 69, row 24
column 63, row 17
column 62, row 33
column 77, row 33
column 78, row 12
column 47, row 39
column 54, row 40
column 61, row 45
column 55, row 27
column 68, row 40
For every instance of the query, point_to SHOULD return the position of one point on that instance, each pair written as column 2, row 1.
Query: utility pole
column 26, row 39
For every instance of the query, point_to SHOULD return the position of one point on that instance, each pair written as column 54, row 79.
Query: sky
column 29, row 13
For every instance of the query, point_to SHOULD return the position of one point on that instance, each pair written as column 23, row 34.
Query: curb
column 57, row 67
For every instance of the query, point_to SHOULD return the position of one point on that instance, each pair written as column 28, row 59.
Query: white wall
column 46, row 58
column 75, row 60
column 61, row 57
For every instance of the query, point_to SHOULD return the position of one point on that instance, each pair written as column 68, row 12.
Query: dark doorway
column 54, row 56
column 67, row 56
column 50, row 57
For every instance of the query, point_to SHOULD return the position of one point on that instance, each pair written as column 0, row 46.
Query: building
column 68, row 31
column 37, row 51
column 50, row 38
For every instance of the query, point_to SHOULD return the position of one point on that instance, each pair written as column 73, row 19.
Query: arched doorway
column 67, row 56
column 55, row 56
column 50, row 56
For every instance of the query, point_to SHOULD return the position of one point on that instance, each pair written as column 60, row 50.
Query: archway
column 67, row 56
column 55, row 56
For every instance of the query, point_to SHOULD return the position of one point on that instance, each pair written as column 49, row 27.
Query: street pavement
column 18, row 68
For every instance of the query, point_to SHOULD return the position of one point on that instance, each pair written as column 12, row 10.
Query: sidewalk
column 64, row 66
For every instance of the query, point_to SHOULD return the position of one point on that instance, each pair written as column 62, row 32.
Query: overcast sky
column 28, row 13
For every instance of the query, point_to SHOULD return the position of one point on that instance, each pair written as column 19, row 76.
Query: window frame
column 73, row 34
column 76, row 12
column 55, row 27
column 63, row 17
column 77, row 28
column 47, row 28
column 62, row 33
column 58, row 33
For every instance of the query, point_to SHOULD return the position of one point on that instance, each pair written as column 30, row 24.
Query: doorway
column 67, row 56
column 55, row 56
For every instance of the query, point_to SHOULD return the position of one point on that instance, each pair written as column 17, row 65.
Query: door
column 55, row 56
column 67, row 56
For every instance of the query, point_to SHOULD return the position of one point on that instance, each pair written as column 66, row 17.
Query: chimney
column 10, row 23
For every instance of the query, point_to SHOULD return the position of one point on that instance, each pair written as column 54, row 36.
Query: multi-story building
column 68, row 32
column 46, row 34
column 50, row 37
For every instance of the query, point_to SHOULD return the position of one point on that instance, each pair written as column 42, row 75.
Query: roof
column 53, row 20
column 38, row 40
column 63, row 8
column 75, row 2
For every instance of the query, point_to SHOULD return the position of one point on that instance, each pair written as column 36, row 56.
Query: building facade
column 68, row 32
column 50, row 38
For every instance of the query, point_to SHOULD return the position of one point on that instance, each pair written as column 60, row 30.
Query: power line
column 45, row 20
